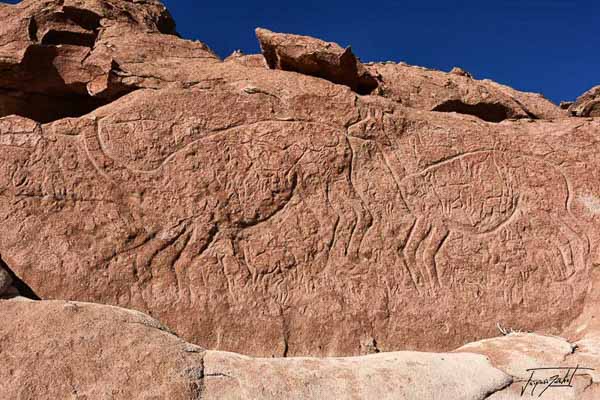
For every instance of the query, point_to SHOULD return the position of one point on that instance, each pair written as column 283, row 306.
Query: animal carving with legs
column 479, row 193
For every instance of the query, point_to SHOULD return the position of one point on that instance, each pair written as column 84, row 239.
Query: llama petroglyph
column 479, row 193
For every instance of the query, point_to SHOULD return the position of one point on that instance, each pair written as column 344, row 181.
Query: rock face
column 62, row 350
column 58, row 349
column 247, row 60
column 520, row 355
column 66, row 58
column 399, row 375
column 459, row 92
column 272, row 212
column 588, row 104
column 315, row 57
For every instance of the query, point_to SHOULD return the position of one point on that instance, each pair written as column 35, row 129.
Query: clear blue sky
column 547, row 46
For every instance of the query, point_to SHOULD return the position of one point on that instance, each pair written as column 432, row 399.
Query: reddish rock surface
column 70, row 350
column 588, row 104
column 248, row 60
column 459, row 92
column 66, row 58
column 275, row 213
column 315, row 57
column 62, row 349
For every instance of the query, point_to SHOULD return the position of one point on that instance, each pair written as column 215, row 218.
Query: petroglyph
column 479, row 193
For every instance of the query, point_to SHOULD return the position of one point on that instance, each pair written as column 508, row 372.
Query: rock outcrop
column 62, row 349
column 317, row 206
column 247, row 60
column 588, row 104
column 66, row 58
column 315, row 57
column 459, row 92
column 222, row 198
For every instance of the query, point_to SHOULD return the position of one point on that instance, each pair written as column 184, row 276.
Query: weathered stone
column 59, row 350
column 275, row 213
column 248, row 60
column 400, row 375
column 529, row 358
column 461, row 72
column 588, row 104
column 458, row 92
column 315, row 57
column 261, row 198
column 64, row 59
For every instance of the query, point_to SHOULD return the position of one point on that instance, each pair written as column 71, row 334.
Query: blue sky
column 547, row 46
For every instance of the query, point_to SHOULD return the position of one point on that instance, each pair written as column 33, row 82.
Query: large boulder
column 272, row 202
column 66, row 58
column 588, row 104
column 459, row 92
column 224, row 199
column 71, row 350
column 64, row 349
column 60, row 350
column 315, row 57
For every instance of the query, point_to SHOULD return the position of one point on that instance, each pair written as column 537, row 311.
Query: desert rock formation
column 62, row 349
column 315, row 57
column 588, row 104
column 219, row 198
column 458, row 91
column 296, row 203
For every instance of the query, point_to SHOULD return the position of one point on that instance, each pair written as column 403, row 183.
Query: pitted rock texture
column 459, row 92
column 66, row 58
column 315, row 57
column 59, row 350
column 63, row 349
column 248, row 60
column 588, row 104
column 275, row 213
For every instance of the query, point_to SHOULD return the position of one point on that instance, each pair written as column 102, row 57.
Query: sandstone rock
column 64, row 59
column 225, row 200
column 248, row 60
column 588, row 104
column 400, row 375
column 61, row 349
column 457, row 91
column 58, row 349
column 461, row 72
column 529, row 357
column 517, row 354
column 143, row 199
column 564, row 105
column 315, row 57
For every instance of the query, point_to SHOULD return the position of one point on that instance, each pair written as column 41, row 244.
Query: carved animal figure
column 479, row 193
